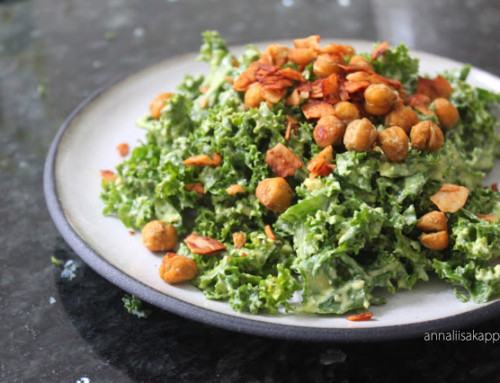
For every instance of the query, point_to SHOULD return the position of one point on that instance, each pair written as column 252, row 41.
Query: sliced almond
column 450, row 198
column 239, row 240
column 488, row 217
column 203, row 245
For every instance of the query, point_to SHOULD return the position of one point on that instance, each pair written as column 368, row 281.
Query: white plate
column 86, row 144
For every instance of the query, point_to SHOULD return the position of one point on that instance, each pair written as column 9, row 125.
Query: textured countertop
column 53, row 54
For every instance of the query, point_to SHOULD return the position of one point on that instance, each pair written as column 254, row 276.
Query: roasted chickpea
column 326, row 64
column 402, row 116
column 158, row 103
column 275, row 194
column 278, row 54
column 360, row 135
column 329, row 130
column 394, row 143
column 379, row 99
column 361, row 62
column 433, row 221
column 346, row 111
column 254, row 95
column 446, row 113
column 435, row 241
column 427, row 136
column 177, row 268
column 158, row 236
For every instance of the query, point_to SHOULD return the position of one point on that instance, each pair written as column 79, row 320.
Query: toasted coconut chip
column 380, row 50
column 420, row 102
column 311, row 42
column 239, row 240
column 269, row 233
column 235, row 189
column 331, row 86
column 291, row 122
column 108, row 175
column 291, row 74
column 320, row 164
column 450, row 198
column 248, row 77
column 356, row 86
column 203, row 245
column 217, row 160
column 282, row 161
column 434, row 88
column 317, row 109
column 202, row 160
column 123, row 149
column 360, row 317
column 293, row 99
column 196, row 187
column 488, row 217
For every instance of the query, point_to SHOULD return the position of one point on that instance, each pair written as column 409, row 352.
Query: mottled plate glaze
column 86, row 143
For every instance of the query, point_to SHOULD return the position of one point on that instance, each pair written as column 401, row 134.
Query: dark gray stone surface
column 53, row 54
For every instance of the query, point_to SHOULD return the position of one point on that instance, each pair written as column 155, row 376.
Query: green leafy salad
column 314, row 178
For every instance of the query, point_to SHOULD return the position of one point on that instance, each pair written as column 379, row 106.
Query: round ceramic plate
column 86, row 144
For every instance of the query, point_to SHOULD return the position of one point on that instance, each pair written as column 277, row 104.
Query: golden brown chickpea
column 435, row 241
column 394, row 143
column 446, row 113
column 346, row 111
column 275, row 194
column 402, row 116
column 326, row 64
column 254, row 95
column 379, row 99
column 360, row 135
column 427, row 136
column 177, row 268
column 361, row 62
column 433, row 221
column 329, row 130
column 158, row 103
column 158, row 236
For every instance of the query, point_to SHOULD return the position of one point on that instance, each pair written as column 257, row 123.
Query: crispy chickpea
column 329, row 130
column 379, row 99
column 402, row 116
column 346, row 111
column 360, row 135
column 433, row 221
column 361, row 62
column 427, row 136
column 254, row 95
column 275, row 194
column 446, row 113
column 435, row 241
column 158, row 103
column 177, row 268
column 326, row 64
column 158, row 236
column 394, row 143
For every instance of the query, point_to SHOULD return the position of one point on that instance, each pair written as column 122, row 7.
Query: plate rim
column 211, row 317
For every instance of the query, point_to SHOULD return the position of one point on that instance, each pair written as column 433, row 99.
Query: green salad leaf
column 349, row 237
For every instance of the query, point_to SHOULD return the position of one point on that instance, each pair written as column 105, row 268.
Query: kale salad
column 314, row 178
